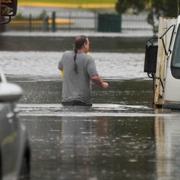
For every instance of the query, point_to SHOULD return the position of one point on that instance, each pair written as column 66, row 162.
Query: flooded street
column 121, row 137
column 44, row 64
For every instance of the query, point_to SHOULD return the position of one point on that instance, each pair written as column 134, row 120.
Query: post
column 69, row 21
column 95, row 21
column 2, row 26
column 53, row 27
column 0, row 9
column 30, row 22
column 46, row 23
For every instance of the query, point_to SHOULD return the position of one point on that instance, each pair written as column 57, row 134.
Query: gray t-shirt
column 77, row 86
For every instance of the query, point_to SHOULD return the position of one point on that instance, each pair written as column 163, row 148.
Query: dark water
column 103, row 148
column 121, row 137
column 100, row 148
column 132, row 92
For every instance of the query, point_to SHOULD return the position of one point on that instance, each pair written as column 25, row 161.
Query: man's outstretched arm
column 99, row 82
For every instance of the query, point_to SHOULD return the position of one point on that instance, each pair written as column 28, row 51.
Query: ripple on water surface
column 44, row 64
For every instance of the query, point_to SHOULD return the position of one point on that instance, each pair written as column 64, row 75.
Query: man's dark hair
column 78, row 44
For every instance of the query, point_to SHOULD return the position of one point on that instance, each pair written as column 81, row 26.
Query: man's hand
column 105, row 85
column 98, row 81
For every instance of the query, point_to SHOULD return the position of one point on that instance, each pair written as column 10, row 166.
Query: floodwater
column 121, row 137
column 44, row 64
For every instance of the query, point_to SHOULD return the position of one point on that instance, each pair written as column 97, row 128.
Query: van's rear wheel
column 0, row 166
column 25, row 167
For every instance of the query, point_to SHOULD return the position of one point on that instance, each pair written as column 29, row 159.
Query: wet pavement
column 121, row 137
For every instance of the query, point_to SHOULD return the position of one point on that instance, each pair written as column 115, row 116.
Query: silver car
column 14, row 145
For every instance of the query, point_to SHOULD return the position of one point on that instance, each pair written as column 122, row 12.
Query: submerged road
column 103, row 142
column 110, row 140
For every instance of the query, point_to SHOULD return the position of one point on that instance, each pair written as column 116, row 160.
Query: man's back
column 76, row 85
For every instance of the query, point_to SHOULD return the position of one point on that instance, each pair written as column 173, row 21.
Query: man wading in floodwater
column 79, row 69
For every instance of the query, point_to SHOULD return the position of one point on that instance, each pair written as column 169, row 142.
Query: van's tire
column 25, row 171
column 0, row 167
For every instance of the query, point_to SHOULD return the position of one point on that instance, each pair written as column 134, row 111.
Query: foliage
column 123, row 5
column 168, row 8
column 19, row 16
column 43, row 14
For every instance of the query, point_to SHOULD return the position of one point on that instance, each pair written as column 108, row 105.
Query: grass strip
column 84, row 5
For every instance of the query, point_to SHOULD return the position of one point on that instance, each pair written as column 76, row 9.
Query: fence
column 135, row 22
column 76, row 21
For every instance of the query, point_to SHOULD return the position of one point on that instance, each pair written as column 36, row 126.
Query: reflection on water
column 167, row 132
column 103, row 148
column 92, row 148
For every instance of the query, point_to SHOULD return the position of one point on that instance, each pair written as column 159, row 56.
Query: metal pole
column 0, row 9
column 69, row 21
column 30, row 22
column 0, row 13
column 53, row 21
column 96, row 21
column 46, row 23
column 3, row 78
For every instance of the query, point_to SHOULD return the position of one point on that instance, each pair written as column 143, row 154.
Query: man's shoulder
column 68, row 53
column 88, row 57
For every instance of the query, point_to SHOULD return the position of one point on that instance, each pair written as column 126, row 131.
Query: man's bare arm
column 99, row 82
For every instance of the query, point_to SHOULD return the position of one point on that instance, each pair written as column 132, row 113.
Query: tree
column 155, row 9
column 168, row 8
column 123, row 5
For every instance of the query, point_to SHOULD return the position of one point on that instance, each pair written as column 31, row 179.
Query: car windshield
column 176, row 51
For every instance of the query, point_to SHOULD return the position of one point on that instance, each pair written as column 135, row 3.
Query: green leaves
column 123, row 5
column 167, row 8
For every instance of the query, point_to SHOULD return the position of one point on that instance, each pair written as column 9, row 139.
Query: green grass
column 70, row 1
